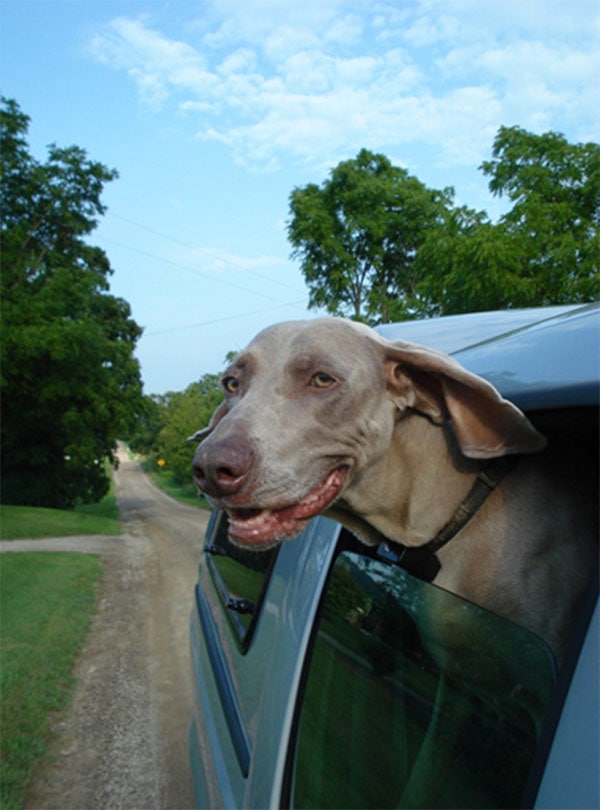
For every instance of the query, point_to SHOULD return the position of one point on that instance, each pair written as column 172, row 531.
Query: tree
column 143, row 438
column 553, row 225
column 468, row 264
column 375, row 243
column 185, row 413
column 543, row 251
column 358, row 234
column 70, row 383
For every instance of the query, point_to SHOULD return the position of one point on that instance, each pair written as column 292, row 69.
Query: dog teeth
column 251, row 516
column 261, row 518
column 265, row 527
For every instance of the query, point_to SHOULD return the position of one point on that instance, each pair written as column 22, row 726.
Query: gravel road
column 122, row 743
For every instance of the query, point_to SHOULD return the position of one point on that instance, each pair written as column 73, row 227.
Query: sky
column 213, row 111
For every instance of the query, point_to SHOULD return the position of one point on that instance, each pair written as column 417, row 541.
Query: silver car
column 312, row 686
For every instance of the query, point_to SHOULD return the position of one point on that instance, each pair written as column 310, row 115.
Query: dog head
column 310, row 405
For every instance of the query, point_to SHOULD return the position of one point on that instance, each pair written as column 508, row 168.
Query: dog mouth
column 263, row 528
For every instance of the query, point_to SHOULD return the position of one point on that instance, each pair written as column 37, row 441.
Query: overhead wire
column 205, row 252
column 204, row 274
column 219, row 320
column 192, row 270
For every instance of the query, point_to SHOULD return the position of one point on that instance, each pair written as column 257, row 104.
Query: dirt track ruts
column 122, row 742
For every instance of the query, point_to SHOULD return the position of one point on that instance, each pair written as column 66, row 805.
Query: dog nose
column 222, row 468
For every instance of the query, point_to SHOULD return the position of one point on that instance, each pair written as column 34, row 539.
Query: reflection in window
column 240, row 576
column 415, row 698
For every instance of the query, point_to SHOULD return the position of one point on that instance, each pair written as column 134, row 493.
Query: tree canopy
column 168, row 420
column 70, row 383
column 187, row 412
column 376, row 244
column 553, row 225
column 358, row 234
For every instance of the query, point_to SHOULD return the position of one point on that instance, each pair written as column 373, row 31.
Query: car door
column 413, row 697
column 228, row 675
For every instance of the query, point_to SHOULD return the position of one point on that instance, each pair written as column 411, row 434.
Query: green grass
column 184, row 493
column 46, row 600
column 34, row 522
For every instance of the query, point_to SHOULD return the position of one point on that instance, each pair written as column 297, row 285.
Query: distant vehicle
column 312, row 686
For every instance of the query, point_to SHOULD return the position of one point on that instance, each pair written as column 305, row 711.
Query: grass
column 46, row 600
column 17, row 522
column 184, row 493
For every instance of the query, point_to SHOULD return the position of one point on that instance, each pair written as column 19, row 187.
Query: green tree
column 553, row 225
column 543, row 251
column 358, row 234
column 185, row 413
column 468, row 264
column 70, row 383
column 143, row 438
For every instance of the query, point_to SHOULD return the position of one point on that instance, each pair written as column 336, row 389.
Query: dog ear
column 199, row 435
column 486, row 425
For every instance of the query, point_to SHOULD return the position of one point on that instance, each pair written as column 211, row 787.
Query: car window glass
column 240, row 576
column 415, row 698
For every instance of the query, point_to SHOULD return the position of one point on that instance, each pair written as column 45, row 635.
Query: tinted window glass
column 415, row 698
column 240, row 576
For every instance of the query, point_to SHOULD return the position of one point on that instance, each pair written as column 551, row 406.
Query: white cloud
column 308, row 72
column 156, row 64
column 242, row 60
column 276, row 81
column 486, row 20
column 345, row 31
column 258, row 17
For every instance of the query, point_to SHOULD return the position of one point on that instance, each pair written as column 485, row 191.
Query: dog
column 399, row 441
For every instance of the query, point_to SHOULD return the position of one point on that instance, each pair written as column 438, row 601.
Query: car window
column 414, row 697
column 240, row 577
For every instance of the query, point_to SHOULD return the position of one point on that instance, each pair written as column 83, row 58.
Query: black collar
column 422, row 561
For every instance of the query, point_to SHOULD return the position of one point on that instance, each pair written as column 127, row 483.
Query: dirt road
column 123, row 741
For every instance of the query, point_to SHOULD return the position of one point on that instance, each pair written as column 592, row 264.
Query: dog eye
column 231, row 384
column 322, row 380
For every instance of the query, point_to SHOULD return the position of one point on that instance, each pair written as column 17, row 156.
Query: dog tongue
column 264, row 528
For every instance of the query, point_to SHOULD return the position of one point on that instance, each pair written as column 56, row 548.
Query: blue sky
column 212, row 111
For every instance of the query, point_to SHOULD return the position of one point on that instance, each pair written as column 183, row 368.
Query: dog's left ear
column 221, row 411
column 486, row 425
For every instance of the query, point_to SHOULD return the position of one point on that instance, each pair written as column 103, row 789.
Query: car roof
column 539, row 358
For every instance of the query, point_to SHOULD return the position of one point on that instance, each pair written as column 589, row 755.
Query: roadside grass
column 46, row 600
column 184, row 493
column 34, row 522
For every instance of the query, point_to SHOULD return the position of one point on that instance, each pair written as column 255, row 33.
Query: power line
column 193, row 270
column 219, row 320
column 204, row 251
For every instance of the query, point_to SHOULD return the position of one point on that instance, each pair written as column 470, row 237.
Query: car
column 312, row 685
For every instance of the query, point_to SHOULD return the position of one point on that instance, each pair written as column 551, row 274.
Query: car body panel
column 571, row 772
column 542, row 359
column 292, row 602
column 552, row 361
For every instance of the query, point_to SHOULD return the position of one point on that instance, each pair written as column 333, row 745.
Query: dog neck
column 414, row 490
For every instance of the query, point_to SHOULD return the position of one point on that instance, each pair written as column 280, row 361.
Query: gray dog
column 397, row 440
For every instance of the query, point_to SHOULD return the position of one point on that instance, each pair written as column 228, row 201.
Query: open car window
column 240, row 577
column 413, row 697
